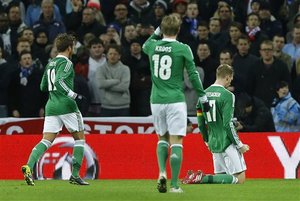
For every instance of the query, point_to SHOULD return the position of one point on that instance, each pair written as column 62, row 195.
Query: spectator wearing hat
column 285, row 110
column 179, row 7
column 140, row 11
column 113, row 32
column 140, row 82
column 89, row 24
column 95, row 4
column 160, row 8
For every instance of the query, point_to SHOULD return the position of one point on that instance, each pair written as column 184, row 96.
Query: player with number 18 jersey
column 168, row 58
column 58, row 81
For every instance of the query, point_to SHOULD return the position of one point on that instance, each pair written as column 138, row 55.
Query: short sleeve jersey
column 58, row 80
column 168, row 58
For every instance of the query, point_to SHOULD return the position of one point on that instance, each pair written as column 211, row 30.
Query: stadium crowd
column 259, row 38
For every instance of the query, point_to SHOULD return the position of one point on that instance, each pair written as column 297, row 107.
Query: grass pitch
column 143, row 190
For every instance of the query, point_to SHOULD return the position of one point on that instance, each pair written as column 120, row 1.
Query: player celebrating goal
column 217, row 128
column 61, row 109
column 168, row 58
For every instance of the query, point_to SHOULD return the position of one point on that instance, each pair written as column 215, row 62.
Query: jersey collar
column 169, row 39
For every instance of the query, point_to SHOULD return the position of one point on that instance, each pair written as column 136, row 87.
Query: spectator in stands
column 236, row 85
column 6, row 4
column 96, row 60
column 285, row 110
column 267, row 24
column 96, row 6
column 5, row 37
column 243, row 62
column 278, row 42
column 39, row 45
column 34, row 10
column 16, row 25
column 207, row 8
column 160, row 9
column 188, row 30
column 114, row 78
column 266, row 73
column 71, row 19
column 89, row 24
column 256, row 36
column 191, row 96
column 293, row 48
column 121, row 16
column 113, row 32
column 205, row 61
column 289, row 34
column 140, row 82
column 23, row 44
column 179, row 7
column 252, row 115
column 235, row 31
column 226, row 16
column 145, row 31
column 215, row 31
column 25, row 85
column 48, row 22
column 128, row 35
column 255, row 6
column 27, row 33
column 4, row 82
column 203, row 36
column 140, row 11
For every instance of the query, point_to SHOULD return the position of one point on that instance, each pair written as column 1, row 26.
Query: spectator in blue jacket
column 285, row 110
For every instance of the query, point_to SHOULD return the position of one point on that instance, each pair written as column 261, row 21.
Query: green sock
column 78, row 151
column 219, row 179
column 175, row 161
column 162, row 150
column 37, row 152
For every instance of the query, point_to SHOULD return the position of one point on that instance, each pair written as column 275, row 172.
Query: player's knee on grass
column 241, row 177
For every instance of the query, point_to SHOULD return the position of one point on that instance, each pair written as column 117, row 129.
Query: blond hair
column 170, row 25
column 224, row 70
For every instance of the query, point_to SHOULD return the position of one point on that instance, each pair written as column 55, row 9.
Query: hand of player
column 206, row 106
column 244, row 148
column 80, row 99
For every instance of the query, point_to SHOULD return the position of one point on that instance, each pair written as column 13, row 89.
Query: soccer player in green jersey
column 168, row 58
column 61, row 109
column 219, row 133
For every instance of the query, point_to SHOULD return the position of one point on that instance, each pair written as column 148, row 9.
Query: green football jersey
column 58, row 80
column 168, row 58
column 216, row 126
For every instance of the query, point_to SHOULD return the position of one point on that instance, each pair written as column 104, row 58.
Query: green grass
column 143, row 190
